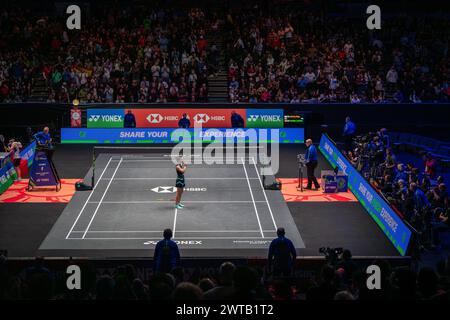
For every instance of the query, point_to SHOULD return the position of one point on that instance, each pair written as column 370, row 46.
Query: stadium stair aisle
column 218, row 82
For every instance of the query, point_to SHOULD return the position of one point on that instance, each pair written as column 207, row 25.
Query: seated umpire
column 282, row 255
column 167, row 255
column 43, row 138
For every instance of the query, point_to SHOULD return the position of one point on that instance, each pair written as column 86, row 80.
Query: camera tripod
column 301, row 164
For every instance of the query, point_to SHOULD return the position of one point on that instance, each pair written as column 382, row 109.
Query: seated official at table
column 43, row 138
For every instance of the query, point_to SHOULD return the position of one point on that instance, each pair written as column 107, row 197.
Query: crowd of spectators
column 294, row 56
column 283, row 54
column 120, row 55
column 344, row 280
column 419, row 194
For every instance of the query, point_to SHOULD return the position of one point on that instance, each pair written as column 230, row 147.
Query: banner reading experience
column 380, row 211
column 159, row 135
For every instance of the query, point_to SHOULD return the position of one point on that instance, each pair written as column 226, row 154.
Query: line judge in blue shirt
column 282, row 255
column 167, row 254
column 311, row 164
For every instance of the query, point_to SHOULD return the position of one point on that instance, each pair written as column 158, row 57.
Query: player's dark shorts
column 179, row 183
column 16, row 162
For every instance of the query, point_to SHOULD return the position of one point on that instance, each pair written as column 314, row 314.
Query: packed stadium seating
column 418, row 193
column 271, row 55
column 295, row 56
column 246, row 53
column 344, row 280
column 130, row 55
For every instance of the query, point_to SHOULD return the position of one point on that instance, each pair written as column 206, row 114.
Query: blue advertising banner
column 28, row 153
column 380, row 211
column 41, row 172
column 7, row 176
column 8, row 173
column 160, row 135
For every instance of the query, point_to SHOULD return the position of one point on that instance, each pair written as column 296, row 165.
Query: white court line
column 265, row 196
column 175, row 222
column 103, row 196
column 171, row 201
column 167, row 158
column 253, row 199
column 166, row 148
column 159, row 231
column 171, row 178
column 116, row 231
column 212, row 162
column 181, row 238
column 87, row 200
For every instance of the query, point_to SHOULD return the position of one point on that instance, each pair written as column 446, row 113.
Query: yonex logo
column 155, row 118
column 105, row 117
column 264, row 117
column 94, row 117
column 163, row 189
column 179, row 242
column 201, row 118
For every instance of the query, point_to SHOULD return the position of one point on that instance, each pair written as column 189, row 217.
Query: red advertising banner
column 169, row 118
column 75, row 118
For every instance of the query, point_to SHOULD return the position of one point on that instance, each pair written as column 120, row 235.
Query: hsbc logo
column 157, row 118
column 201, row 118
column 204, row 118
column 163, row 189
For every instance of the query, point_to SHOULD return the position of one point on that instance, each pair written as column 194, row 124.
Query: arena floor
column 25, row 226
column 227, row 211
